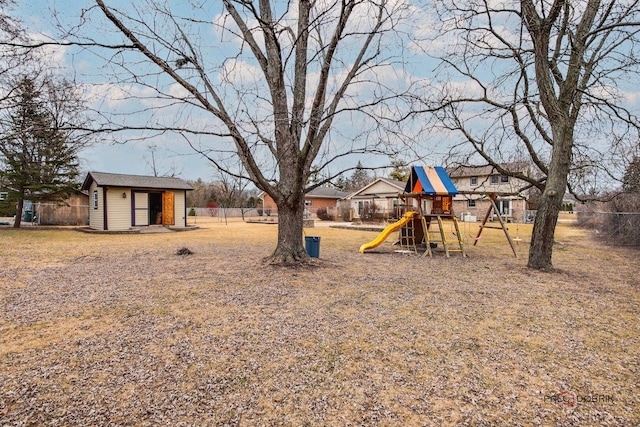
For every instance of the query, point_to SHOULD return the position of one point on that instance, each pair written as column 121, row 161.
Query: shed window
column 95, row 199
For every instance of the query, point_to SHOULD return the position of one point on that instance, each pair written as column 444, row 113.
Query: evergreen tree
column 39, row 152
column 631, row 180
column 341, row 183
column 400, row 170
column 359, row 178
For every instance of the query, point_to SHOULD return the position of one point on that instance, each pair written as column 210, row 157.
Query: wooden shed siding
column 96, row 219
column 119, row 209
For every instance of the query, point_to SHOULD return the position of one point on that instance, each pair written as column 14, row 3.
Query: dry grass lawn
column 120, row 330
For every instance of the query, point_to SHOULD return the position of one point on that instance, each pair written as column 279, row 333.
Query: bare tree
column 203, row 192
column 283, row 86
column 157, row 167
column 232, row 190
column 10, row 31
column 14, row 56
column 542, row 82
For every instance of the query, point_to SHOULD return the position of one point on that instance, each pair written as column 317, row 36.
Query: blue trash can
column 312, row 246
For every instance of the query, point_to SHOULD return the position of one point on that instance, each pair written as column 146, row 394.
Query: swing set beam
column 492, row 198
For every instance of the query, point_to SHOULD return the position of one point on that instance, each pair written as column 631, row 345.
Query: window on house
column 362, row 205
column 471, row 203
column 95, row 199
column 474, row 180
column 495, row 179
column 4, row 195
column 504, row 207
column 504, row 178
column 307, row 202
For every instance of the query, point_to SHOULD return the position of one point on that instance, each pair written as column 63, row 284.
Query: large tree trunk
column 544, row 226
column 290, row 248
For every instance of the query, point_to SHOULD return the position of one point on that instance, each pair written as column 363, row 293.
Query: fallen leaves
column 135, row 335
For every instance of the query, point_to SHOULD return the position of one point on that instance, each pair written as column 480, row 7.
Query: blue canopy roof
column 433, row 181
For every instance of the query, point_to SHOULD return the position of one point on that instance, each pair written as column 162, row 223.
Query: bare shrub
column 324, row 215
column 624, row 222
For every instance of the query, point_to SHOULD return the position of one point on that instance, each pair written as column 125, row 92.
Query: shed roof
column 104, row 179
column 432, row 181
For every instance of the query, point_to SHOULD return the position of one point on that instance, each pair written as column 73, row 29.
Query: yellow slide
column 385, row 233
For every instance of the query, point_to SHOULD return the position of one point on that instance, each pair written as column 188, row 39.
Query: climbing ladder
column 407, row 237
column 446, row 243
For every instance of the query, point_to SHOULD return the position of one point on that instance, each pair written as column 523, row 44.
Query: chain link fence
column 618, row 220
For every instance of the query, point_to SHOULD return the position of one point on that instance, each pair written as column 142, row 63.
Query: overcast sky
column 169, row 153
column 111, row 154
column 172, row 155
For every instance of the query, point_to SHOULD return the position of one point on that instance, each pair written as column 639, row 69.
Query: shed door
column 141, row 208
column 168, row 208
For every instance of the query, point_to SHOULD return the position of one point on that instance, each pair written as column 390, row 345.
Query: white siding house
column 380, row 196
column 122, row 202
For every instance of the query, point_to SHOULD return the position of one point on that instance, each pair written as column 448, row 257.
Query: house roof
column 486, row 170
column 326, row 193
column 395, row 187
column 103, row 179
column 433, row 181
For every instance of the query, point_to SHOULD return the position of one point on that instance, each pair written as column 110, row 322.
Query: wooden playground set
column 428, row 198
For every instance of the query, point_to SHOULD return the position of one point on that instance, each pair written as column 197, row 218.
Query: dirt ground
column 120, row 330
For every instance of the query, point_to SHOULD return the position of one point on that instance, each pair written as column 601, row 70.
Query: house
column 378, row 199
column 474, row 183
column 121, row 202
column 319, row 197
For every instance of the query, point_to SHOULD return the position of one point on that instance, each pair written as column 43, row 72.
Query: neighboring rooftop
column 485, row 170
column 326, row 193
